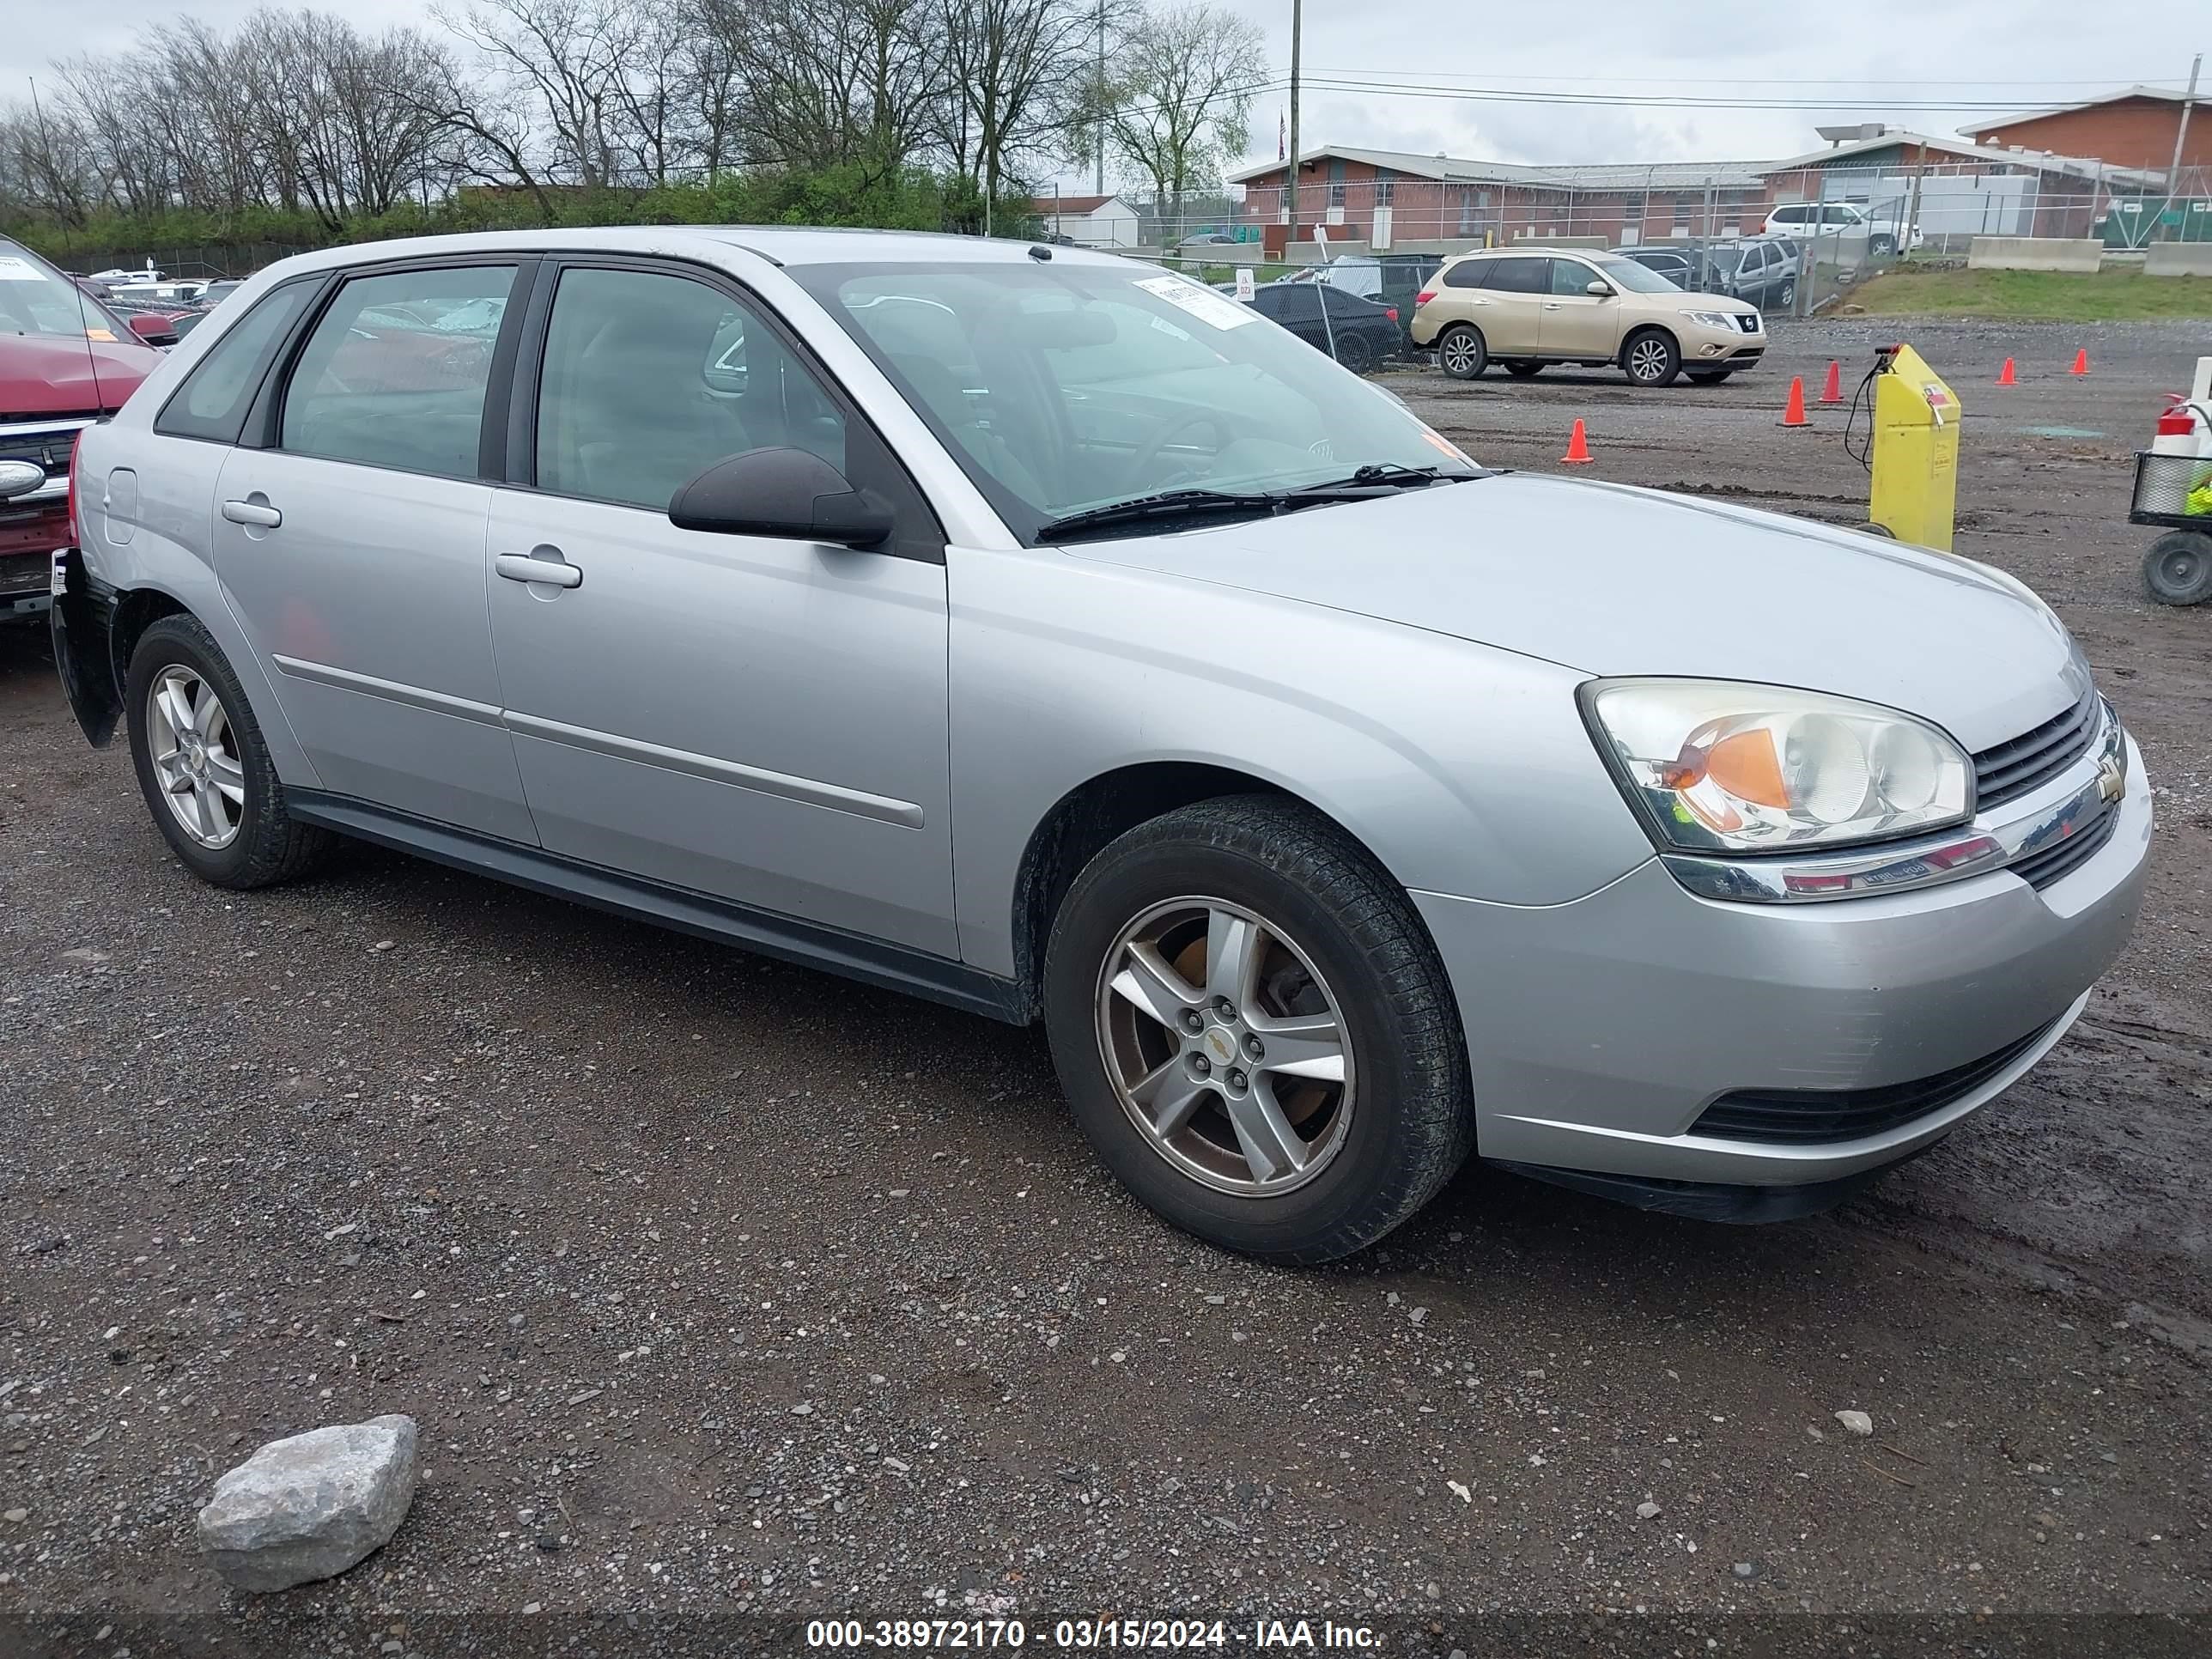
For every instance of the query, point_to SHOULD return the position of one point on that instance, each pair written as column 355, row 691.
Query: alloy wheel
column 1226, row 1049
column 1647, row 359
column 196, row 760
column 1459, row 355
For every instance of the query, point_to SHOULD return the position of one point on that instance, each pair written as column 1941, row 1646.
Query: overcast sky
column 1866, row 59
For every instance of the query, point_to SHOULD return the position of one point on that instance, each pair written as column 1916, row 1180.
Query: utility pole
column 2181, row 136
column 1298, row 32
column 1098, row 149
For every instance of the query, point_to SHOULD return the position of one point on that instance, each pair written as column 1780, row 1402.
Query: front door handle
column 257, row 514
column 529, row 567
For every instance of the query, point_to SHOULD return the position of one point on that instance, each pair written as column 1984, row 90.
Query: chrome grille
column 2062, row 857
column 2009, row 771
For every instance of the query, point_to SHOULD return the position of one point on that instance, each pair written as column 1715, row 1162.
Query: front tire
column 1651, row 358
column 1461, row 352
column 2177, row 569
column 203, row 766
column 1255, row 1032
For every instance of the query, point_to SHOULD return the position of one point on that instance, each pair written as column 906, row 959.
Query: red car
column 65, row 362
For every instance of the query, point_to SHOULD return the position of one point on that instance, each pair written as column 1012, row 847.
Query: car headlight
column 1713, row 319
column 1718, row 765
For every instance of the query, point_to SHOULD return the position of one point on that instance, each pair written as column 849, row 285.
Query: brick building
column 1387, row 196
column 1953, row 189
column 2134, row 128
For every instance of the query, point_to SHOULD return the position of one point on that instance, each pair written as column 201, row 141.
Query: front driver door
column 1577, row 323
column 758, row 719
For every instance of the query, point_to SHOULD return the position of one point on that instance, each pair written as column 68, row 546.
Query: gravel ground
column 722, row 1288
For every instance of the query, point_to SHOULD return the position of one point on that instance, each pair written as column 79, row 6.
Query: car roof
column 781, row 245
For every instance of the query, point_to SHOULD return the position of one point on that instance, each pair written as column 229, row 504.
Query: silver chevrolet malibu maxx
column 1051, row 635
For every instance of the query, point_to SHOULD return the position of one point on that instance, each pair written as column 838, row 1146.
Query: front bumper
column 1600, row 1030
column 1702, row 347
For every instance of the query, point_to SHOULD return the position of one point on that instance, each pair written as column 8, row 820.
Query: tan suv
column 1526, row 309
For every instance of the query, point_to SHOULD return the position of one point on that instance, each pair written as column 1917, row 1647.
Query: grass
column 2108, row 296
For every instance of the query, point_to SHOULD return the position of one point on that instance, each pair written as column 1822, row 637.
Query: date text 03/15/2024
column 1168, row 1635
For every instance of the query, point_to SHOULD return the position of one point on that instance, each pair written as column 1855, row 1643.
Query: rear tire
column 203, row 766
column 1650, row 358
column 1524, row 371
column 2177, row 568
column 1346, row 1145
column 1461, row 352
column 1354, row 353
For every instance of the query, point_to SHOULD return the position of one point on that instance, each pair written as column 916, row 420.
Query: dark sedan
column 1358, row 333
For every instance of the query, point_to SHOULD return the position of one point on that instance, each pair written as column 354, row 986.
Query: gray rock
column 1647, row 1511
column 311, row 1506
column 1856, row 1422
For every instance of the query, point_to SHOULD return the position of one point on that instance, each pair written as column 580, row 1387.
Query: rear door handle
column 529, row 567
column 259, row 514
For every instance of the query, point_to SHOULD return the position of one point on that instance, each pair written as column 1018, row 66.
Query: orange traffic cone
column 1794, row 415
column 1833, row 391
column 1578, row 448
column 2081, row 361
column 2006, row 378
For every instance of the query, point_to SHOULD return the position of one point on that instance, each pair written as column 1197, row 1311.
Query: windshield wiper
column 1167, row 504
column 1376, row 476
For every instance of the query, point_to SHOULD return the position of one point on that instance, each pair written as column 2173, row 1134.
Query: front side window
column 396, row 370
column 649, row 379
column 214, row 397
column 1059, row 388
column 1571, row 276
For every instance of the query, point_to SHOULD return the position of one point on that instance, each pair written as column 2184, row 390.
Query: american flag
column 1282, row 138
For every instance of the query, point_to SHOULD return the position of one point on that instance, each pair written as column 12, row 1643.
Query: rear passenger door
column 1516, row 290
column 348, row 537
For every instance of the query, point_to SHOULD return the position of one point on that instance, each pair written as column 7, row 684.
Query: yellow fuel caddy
column 1914, row 452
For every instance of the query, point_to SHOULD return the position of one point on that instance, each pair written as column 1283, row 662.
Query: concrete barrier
column 2033, row 253
column 2177, row 259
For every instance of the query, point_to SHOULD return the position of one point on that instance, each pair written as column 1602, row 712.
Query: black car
column 1358, row 333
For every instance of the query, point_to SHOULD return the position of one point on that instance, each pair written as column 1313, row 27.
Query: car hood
column 40, row 375
column 1614, row 581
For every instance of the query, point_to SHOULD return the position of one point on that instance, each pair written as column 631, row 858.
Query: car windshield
column 1637, row 279
column 1063, row 387
column 33, row 300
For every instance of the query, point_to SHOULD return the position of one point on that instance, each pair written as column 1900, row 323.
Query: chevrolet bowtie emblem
column 2111, row 779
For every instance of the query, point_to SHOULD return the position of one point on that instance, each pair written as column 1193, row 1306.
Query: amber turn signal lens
column 1746, row 765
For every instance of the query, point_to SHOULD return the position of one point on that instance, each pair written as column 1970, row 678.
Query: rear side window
column 1468, row 273
column 395, row 373
column 1520, row 276
column 212, row 402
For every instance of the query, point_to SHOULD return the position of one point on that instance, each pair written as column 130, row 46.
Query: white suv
column 1810, row 219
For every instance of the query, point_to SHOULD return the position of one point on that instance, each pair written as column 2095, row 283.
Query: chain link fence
column 1793, row 240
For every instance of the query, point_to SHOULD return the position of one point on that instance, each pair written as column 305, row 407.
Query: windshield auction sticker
column 1202, row 303
column 15, row 269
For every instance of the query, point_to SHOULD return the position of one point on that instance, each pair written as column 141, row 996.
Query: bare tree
column 1019, row 70
column 1180, row 102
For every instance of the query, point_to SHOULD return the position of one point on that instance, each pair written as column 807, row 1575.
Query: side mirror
column 19, row 478
column 153, row 330
column 791, row 493
column 1600, row 289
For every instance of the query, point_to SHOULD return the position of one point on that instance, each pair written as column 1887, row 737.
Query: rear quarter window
column 212, row 403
